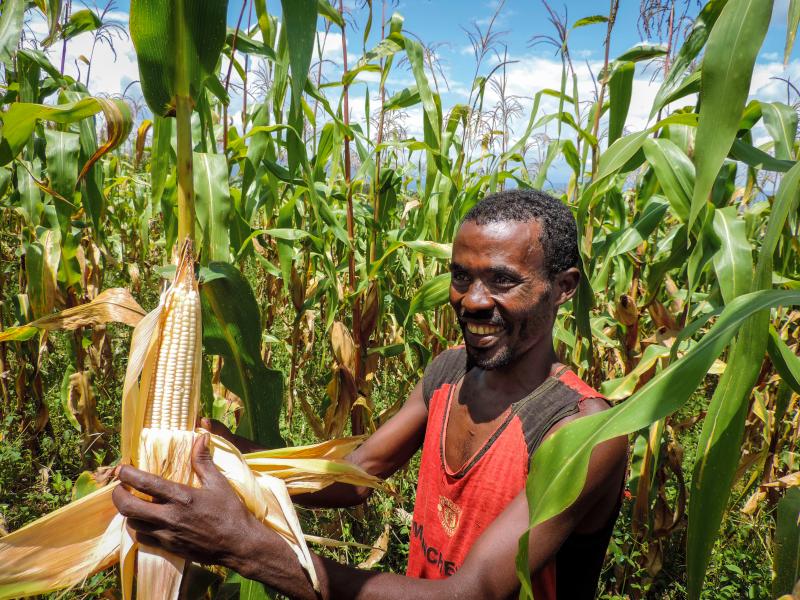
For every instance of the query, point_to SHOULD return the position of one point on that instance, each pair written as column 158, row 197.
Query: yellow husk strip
column 63, row 548
column 332, row 449
column 166, row 453
column 114, row 305
column 297, row 471
column 143, row 353
column 267, row 498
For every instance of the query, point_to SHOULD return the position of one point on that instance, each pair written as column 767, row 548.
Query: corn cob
column 171, row 403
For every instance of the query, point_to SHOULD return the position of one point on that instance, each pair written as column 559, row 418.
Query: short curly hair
column 559, row 236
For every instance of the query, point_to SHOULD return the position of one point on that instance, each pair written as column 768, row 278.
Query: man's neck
column 495, row 390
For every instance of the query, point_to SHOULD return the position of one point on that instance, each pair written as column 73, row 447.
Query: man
column 481, row 412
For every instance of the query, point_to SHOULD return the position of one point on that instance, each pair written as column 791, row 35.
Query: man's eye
column 503, row 280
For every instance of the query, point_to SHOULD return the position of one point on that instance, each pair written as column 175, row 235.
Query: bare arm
column 384, row 452
column 211, row 525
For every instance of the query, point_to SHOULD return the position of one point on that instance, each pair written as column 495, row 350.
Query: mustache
column 483, row 317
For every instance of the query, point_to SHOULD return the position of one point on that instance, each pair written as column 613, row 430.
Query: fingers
column 203, row 463
column 214, row 427
column 133, row 507
column 160, row 489
column 146, row 534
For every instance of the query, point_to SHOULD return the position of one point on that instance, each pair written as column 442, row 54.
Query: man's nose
column 477, row 298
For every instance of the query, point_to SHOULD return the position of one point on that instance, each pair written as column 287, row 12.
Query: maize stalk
column 63, row 548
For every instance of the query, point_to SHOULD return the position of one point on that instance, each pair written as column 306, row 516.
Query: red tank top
column 453, row 508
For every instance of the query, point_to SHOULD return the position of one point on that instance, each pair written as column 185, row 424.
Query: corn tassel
column 160, row 402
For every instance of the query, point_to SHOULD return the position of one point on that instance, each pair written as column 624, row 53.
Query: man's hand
column 242, row 444
column 209, row 524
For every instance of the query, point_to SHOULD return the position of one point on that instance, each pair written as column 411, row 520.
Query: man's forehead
column 504, row 240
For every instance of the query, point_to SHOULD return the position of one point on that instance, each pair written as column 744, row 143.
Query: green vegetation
column 333, row 238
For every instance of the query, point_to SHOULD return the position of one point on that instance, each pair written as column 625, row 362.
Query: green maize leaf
column 236, row 587
column 633, row 235
column 428, row 248
column 161, row 155
column 403, row 99
column 22, row 333
column 689, row 50
column 232, row 329
column 41, row 266
column 674, row 171
column 53, row 12
column 178, row 44
column 300, row 20
column 690, row 85
column 432, row 294
column 40, row 58
column 707, row 246
column 718, row 448
column 248, row 45
column 21, row 118
column 11, row 21
column 620, row 89
column 781, row 123
column 620, row 153
column 85, row 484
column 326, row 10
column 62, row 151
column 734, row 262
column 592, row 20
column 642, row 51
column 787, row 543
column 433, row 120
column 30, row 198
column 553, row 150
column 80, row 22
column 5, row 180
column 622, row 387
column 558, row 467
column 386, row 48
column 792, row 22
column 786, row 362
column 214, row 205
column 758, row 159
column 727, row 71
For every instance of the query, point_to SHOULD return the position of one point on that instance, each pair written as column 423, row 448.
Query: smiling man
column 479, row 413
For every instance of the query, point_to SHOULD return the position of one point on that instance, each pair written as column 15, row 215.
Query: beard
column 476, row 358
column 496, row 358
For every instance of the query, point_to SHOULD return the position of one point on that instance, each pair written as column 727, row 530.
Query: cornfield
column 322, row 244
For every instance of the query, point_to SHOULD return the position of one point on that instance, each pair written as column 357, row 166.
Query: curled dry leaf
column 344, row 349
column 114, row 305
column 370, row 312
column 118, row 125
column 787, row 481
column 379, row 549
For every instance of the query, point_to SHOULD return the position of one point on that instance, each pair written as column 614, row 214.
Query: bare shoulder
column 606, row 472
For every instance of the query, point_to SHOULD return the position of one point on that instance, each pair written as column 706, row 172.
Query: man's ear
column 565, row 285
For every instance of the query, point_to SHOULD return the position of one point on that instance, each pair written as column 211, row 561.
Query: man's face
column 500, row 291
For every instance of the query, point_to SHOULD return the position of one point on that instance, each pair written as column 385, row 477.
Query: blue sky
column 441, row 24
